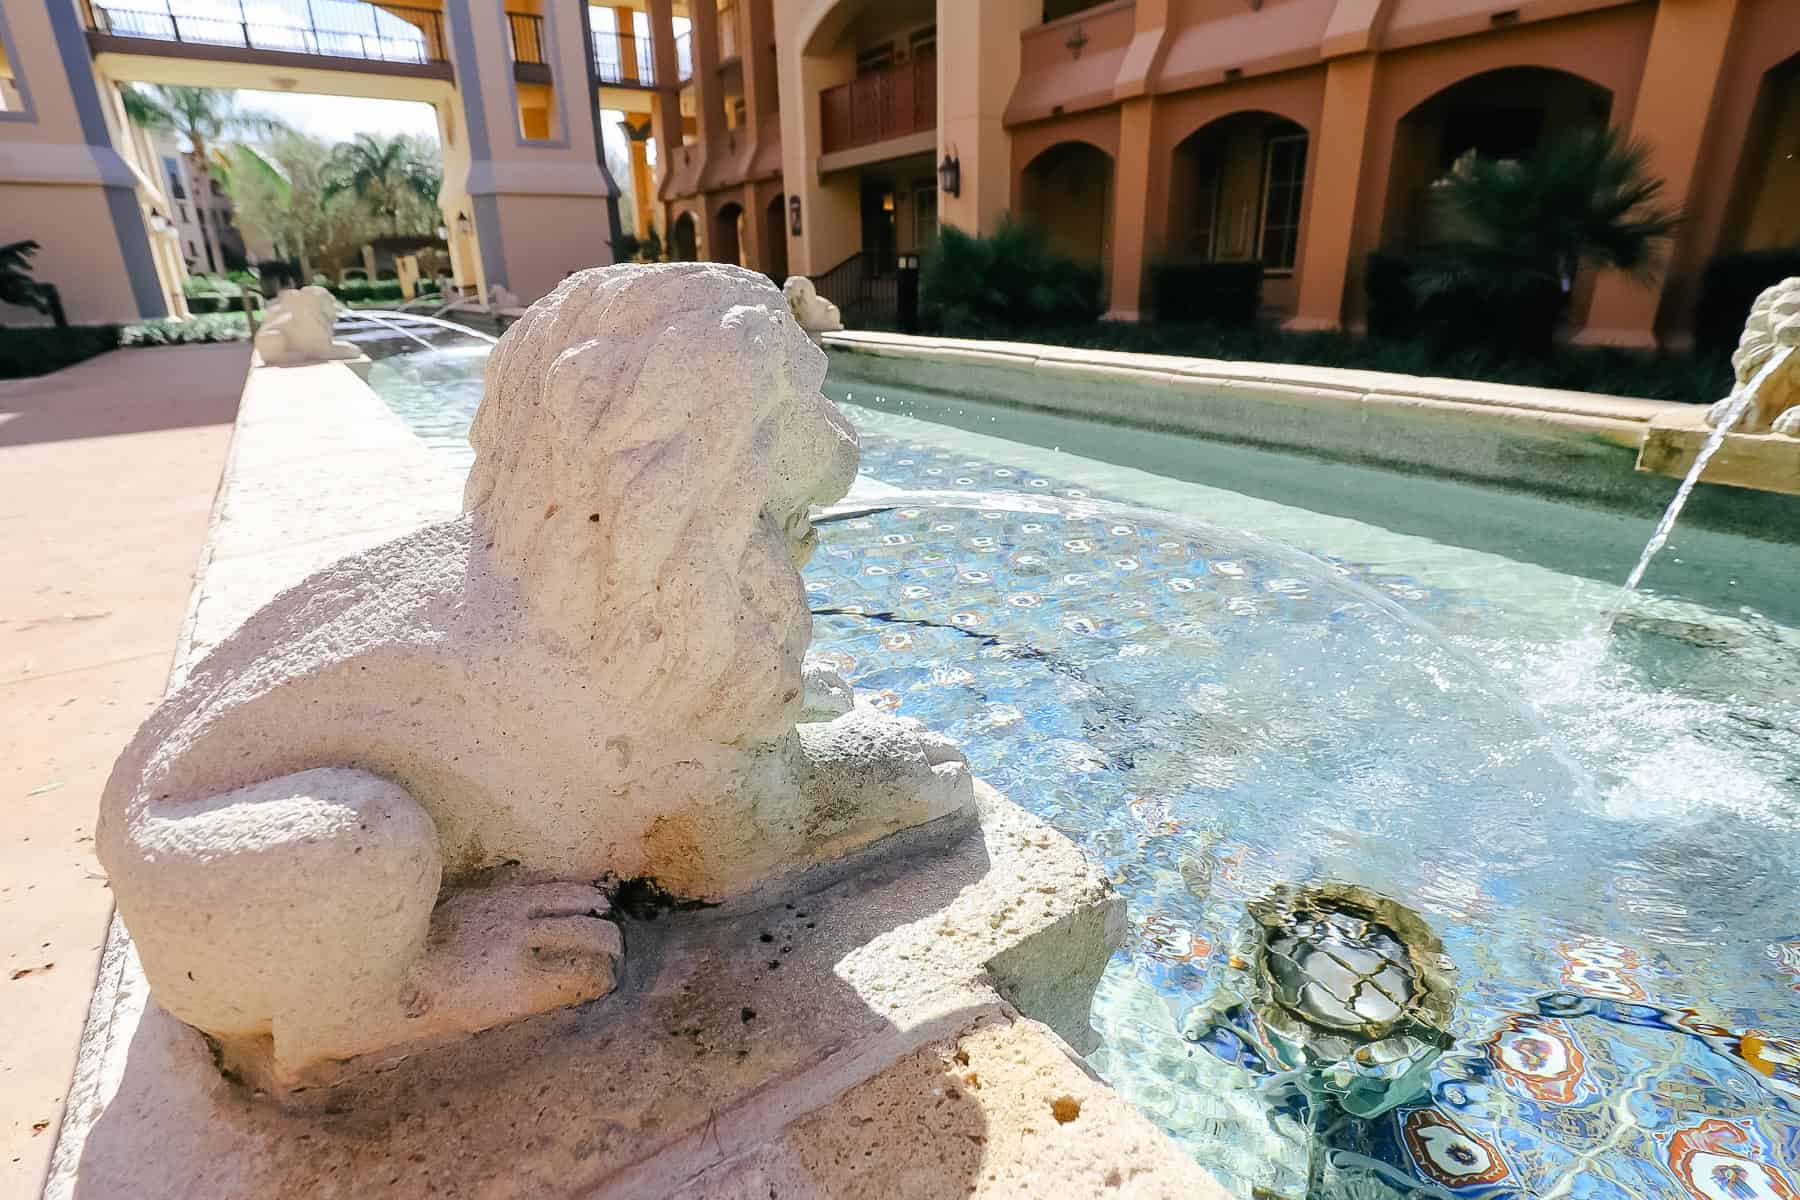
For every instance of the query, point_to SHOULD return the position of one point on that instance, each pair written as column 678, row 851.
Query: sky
column 336, row 118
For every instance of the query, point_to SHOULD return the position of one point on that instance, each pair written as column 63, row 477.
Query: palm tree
column 16, row 284
column 207, row 119
column 1583, row 198
column 390, row 175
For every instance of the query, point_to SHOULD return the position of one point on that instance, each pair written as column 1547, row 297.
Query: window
column 880, row 58
column 173, row 168
column 12, row 99
column 925, row 219
column 1284, row 172
column 181, row 211
column 216, row 189
column 729, row 42
column 1208, row 184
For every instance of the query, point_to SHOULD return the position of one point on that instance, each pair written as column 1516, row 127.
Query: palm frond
column 1583, row 197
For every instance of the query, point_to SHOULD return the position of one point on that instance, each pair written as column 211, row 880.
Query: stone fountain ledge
column 1577, row 444
column 866, row 1031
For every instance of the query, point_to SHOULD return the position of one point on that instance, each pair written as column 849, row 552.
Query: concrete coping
column 1174, row 370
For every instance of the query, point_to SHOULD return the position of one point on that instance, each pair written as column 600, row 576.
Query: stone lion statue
column 815, row 313
column 382, row 811
column 297, row 330
column 1774, row 322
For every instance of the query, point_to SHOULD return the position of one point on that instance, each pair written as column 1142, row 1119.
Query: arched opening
column 775, row 238
column 1067, row 191
column 728, row 235
column 1502, row 114
column 1236, row 192
column 684, row 242
column 1768, row 183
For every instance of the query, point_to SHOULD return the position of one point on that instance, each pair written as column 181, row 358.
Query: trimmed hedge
column 1689, row 378
column 361, row 291
column 41, row 349
column 1227, row 292
column 218, row 327
column 1464, row 298
column 1729, row 286
column 969, row 283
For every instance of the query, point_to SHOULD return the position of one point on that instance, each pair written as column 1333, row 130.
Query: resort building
column 832, row 137
column 210, row 242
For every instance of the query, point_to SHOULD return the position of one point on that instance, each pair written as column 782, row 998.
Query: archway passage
column 1502, row 114
column 1067, row 191
column 728, row 236
column 1768, row 186
column 1236, row 191
column 683, row 240
column 775, row 238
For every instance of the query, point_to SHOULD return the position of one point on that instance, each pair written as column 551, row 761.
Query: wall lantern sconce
column 443, row 233
column 794, row 215
column 907, row 262
column 950, row 174
column 464, row 226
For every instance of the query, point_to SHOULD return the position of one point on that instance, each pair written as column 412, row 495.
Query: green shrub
column 357, row 291
column 1226, row 292
column 1728, row 287
column 1690, row 378
column 218, row 327
column 210, row 285
column 38, row 350
column 970, row 284
column 1465, row 298
column 273, row 274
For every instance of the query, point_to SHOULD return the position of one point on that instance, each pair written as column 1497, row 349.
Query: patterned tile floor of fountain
column 1209, row 714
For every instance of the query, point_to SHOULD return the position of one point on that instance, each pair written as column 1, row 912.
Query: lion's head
column 1774, row 322
column 649, row 443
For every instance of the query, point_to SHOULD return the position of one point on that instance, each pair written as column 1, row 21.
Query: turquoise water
column 1219, row 670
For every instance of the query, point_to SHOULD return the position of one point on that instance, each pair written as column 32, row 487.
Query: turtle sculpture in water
column 1774, row 323
column 1343, row 986
column 376, row 814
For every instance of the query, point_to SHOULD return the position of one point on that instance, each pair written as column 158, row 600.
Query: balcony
column 525, row 31
column 624, row 60
column 350, row 29
column 894, row 102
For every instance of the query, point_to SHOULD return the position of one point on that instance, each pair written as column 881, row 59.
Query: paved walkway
column 107, row 477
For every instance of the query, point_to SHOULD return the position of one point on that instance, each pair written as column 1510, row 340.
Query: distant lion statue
column 815, row 313
column 380, row 813
column 1774, row 322
column 297, row 330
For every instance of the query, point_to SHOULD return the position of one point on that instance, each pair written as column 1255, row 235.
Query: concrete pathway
column 107, row 477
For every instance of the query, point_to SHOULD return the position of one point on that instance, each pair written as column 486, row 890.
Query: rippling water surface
column 1602, row 834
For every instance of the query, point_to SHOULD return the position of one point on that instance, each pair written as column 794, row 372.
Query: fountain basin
column 1768, row 462
column 1208, row 716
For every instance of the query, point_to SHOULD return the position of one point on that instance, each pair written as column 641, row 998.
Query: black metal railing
column 527, row 33
column 622, row 58
column 335, row 28
column 866, row 289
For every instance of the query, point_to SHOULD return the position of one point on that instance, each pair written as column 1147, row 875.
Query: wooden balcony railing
column 335, row 28
column 527, row 33
column 883, row 104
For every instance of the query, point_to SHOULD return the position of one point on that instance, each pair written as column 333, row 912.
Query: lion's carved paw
column 1788, row 423
column 502, row 953
column 1720, row 412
